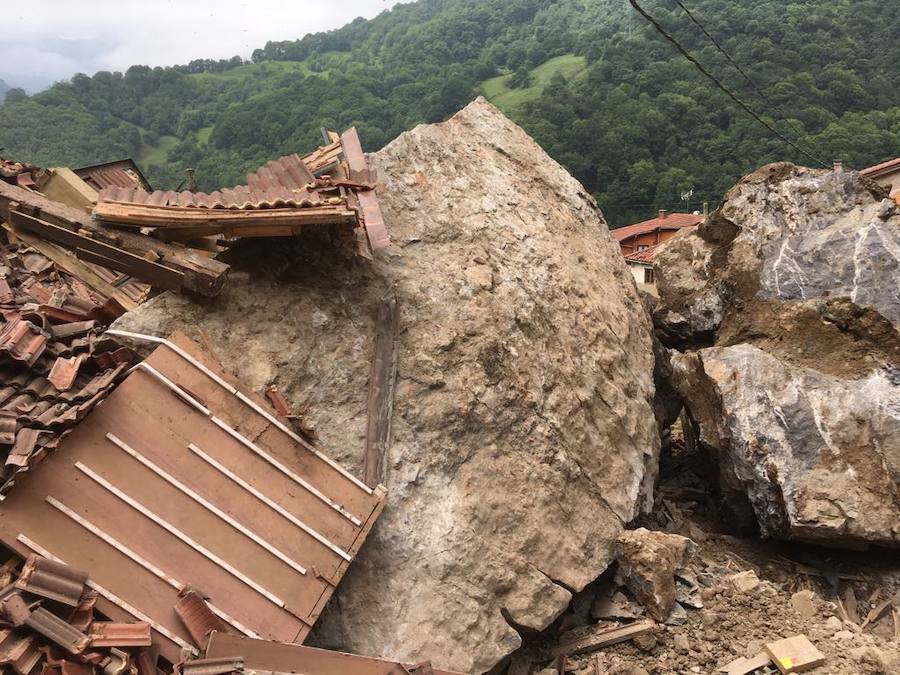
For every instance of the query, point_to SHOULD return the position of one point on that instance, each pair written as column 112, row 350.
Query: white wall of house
column 639, row 272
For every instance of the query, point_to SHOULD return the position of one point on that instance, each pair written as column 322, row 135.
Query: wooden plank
column 202, row 275
column 382, row 379
column 604, row 637
column 267, row 656
column 795, row 654
column 878, row 611
column 209, row 221
column 101, row 253
column 742, row 666
column 54, row 212
column 78, row 269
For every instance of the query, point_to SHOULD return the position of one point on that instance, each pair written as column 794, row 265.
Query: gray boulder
column 794, row 280
column 523, row 431
column 807, row 455
column 784, row 233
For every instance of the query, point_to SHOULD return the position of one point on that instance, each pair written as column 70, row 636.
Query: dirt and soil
column 798, row 593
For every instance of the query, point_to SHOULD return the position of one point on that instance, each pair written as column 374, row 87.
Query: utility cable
column 731, row 94
column 738, row 67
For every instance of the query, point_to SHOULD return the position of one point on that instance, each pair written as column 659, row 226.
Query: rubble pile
column 792, row 287
column 458, row 457
column 56, row 364
column 49, row 625
column 167, row 239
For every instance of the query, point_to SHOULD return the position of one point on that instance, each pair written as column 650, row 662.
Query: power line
column 737, row 66
column 721, row 86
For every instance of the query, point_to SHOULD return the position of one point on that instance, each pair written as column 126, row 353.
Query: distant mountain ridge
column 3, row 89
column 589, row 79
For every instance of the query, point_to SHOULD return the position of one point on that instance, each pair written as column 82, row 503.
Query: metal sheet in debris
column 156, row 490
column 263, row 655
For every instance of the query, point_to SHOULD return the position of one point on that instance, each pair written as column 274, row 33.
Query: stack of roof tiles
column 331, row 186
column 54, row 364
column 47, row 625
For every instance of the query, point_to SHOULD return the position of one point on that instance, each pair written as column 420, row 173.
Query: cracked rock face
column 794, row 280
column 813, row 456
column 785, row 233
column 523, row 432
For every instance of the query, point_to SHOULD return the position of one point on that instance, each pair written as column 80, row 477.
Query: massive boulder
column 523, row 433
column 792, row 285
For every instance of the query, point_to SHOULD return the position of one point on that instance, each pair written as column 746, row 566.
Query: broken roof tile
column 111, row 634
column 279, row 199
column 64, row 372
column 215, row 666
column 53, row 580
column 56, row 630
column 196, row 616
column 23, row 341
column 19, row 651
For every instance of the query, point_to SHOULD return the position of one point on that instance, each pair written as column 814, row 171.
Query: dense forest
column 3, row 89
column 591, row 80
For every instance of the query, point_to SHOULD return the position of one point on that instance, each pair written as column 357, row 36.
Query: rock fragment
column 745, row 581
column 647, row 564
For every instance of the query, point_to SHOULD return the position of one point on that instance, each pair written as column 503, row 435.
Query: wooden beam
column 100, row 253
column 742, row 666
column 604, row 637
column 201, row 274
column 382, row 379
column 77, row 268
column 209, row 221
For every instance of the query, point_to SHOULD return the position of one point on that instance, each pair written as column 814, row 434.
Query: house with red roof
column 640, row 241
column 887, row 174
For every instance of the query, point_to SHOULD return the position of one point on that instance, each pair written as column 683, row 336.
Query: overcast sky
column 53, row 39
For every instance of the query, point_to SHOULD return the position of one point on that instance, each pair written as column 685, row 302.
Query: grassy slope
column 156, row 154
column 265, row 69
column 510, row 101
column 495, row 89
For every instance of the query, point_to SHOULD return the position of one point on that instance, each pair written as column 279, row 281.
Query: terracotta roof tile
column 884, row 167
column 672, row 221
column 645, row 256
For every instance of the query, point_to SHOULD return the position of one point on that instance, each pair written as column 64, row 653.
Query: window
column 648, row 275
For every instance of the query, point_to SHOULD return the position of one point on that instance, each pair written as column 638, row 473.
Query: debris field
column 249, row 430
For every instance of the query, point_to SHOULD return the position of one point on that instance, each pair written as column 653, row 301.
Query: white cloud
column 54, row 39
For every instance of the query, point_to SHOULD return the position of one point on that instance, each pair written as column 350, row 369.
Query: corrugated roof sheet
column 672, row 221
column 177, row 481
column 121, row 173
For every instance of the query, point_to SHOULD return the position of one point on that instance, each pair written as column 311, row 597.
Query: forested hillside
column 589, row 79
column 3, row 89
